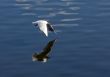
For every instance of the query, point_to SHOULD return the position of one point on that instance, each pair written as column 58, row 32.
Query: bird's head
column 35, row 23
column 34, row 56
column 39, row 22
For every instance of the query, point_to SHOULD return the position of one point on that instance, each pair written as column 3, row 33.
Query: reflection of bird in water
column 43, row 56
column 44, row 26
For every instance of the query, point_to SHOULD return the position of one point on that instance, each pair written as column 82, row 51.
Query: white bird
column 44, row 26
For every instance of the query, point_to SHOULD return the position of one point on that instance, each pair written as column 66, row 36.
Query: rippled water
column 81, row 50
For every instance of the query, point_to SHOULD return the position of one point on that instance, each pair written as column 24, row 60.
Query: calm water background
column 81, row 50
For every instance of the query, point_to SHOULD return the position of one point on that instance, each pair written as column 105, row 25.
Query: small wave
column 28, row 14
column 44, row 9
column 103, row 9
column 40, row 1
column 48, row 16
column 67, row 0
column 21, row 0
column 74, row 8
column 66, row 13
column 66, row 25
column 75, row 19
column 26, row 8
column 52, row 4
column 74, row 3
column 17, row 4
column 23, row 3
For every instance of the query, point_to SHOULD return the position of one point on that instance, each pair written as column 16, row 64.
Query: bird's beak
column 33, row 22
column 34, row 59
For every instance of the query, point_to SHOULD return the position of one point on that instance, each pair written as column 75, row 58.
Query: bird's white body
column 43, row 27
column 42, row 24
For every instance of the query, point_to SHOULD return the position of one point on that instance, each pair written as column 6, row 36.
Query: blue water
column 82, row 48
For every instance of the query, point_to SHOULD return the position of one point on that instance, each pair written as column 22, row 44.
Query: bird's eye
column 35, row 24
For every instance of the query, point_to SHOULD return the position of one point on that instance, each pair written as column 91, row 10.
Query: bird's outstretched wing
column 48, row 47
column 50, row 28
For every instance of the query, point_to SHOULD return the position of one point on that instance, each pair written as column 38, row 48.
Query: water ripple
column 47, row 16
column 75, row 19
column 74, row 8
column 66, row 25
column 83, row 47
column 103, row 9
column 17, row 4
column 43, row 9
column 67, row 13
column 28, row 14
column 21, row 0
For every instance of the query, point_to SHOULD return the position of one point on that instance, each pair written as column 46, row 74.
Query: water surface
column 82, row 48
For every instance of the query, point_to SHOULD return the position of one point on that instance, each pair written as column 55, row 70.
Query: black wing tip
column 50, row 28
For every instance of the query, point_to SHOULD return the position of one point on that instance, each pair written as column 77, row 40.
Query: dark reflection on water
column 44, row 54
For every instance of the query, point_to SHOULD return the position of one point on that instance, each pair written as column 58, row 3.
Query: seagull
column 44, row 26
column 43, row 56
